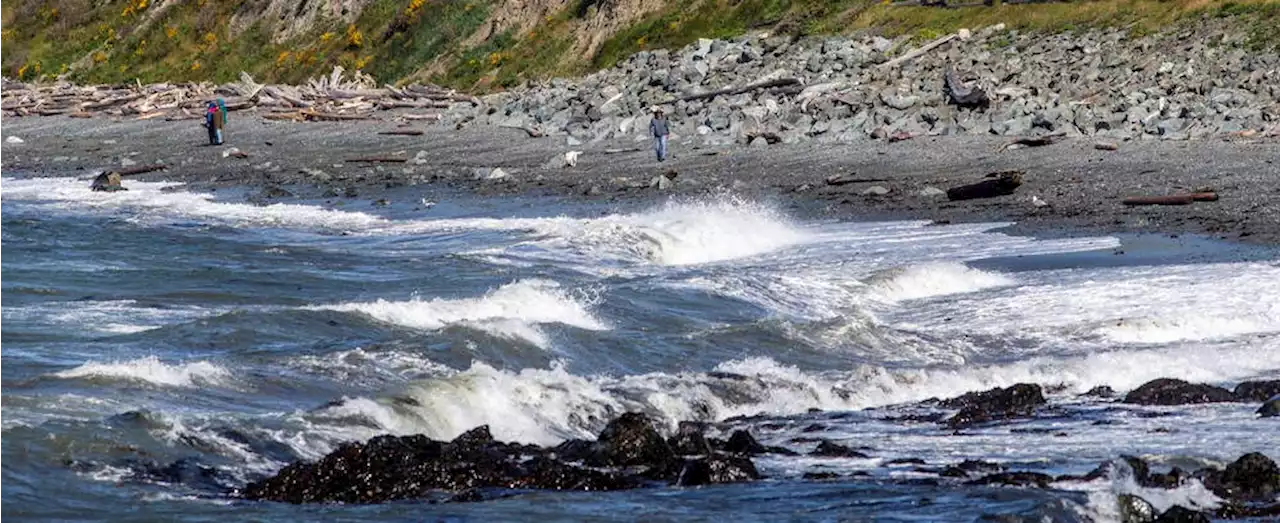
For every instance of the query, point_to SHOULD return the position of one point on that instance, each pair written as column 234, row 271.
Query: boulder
column 1252, row 477
column 689, row 440
column 741, row 442
column 1270, row 409
column 1166, row 391
column 996, row 404
column 828, row 449
column 1180, row 514
column 1257, row 390
column 629, row 453
column 717, row 468
column 631, row 440
column 389, row 468
column 1134, row 509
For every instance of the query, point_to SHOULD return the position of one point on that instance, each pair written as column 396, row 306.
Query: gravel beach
column 1069, row 187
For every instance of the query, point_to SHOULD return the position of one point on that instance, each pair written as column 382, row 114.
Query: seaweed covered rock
column 1167, row 391
column 629, row 453
column 1019, row 400
column 1257, row 390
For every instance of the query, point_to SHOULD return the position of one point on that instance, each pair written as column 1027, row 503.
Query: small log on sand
column 377, row 159
column 317, row 115
column 1036, row 141
column 429, row 117
column 141, row 169
column 998, row 184
column 730, row 91
column 1172, row 199
column 402, row 133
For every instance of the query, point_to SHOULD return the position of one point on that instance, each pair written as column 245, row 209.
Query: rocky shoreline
column 843, row 127
column 630, row 452
column 1193, row 81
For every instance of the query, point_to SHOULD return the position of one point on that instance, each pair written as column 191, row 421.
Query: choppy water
column 156, row 326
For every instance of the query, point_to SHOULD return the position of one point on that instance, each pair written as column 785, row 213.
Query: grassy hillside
column 194, row 40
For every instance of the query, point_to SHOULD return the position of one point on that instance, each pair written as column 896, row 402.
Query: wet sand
column 1082, row 186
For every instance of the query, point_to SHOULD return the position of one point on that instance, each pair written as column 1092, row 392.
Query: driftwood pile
column 333, row 97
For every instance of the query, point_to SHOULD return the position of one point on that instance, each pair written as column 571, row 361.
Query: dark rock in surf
column 1134, row 509
column 1166, row 391
column 1016, row 479
column 389, row 468
column 631, row 440
column 717, row 468
column 1130, row 464
column 828, row 449
column 107, row 182
column 741, row 442
column 904, row 461
column 1252, row 477
column 1168, row 480
column 1270, row 409
column 1179, row 514
column 689, row 439
column 1101, row 391
column 1257, row 390
column 996, row 404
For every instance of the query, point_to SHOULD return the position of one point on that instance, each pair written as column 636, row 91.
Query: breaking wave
column 151, row 370
column 545, row 406
column 933, row 279
column 157, row 200
column 512, row 311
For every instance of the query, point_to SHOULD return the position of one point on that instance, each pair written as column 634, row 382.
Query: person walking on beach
column 214, row 120
column 658, row 127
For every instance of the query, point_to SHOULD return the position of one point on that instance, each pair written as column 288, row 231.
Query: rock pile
column 629, row 453
column 1191, row 82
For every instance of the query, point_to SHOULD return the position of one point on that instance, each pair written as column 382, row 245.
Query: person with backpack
column 215, row 119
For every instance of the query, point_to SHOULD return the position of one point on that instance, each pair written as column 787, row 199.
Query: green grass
column 395, row 42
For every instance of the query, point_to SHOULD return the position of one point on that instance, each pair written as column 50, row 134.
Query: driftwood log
column 337, row 96
column 918, row 52
column 141, row 169
column 730, row 91
column 377, row 159
column 1036, row 141
column 1173, row 199
column 997, row 184
column 402, row 133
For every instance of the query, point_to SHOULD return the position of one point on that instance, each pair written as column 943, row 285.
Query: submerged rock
column 1166, row 391
column 996, row 404
column 835, row 450
column 1017, row 479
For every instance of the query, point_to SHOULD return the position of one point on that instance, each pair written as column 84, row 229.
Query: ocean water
column 163, row 347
